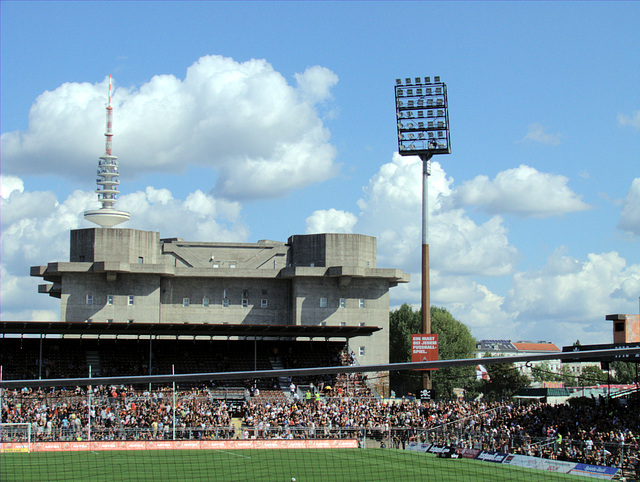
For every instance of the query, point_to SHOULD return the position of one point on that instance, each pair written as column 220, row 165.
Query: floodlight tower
column 423, row 130
column 107, row 182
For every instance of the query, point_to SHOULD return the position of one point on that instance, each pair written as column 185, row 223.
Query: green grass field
column 258, row 465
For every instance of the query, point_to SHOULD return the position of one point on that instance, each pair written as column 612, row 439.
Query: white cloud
column 539, row 133
column 570, row 291
column 261, row 136
column 315, row 84
column 632, row 120
column 9, row 184
column 331, row 221
column 35, row 231
column 630, row 215
column 523, row 191
column 392, row 210
column 564, row 301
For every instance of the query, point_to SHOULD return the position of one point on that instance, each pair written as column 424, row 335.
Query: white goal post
column 15, row 437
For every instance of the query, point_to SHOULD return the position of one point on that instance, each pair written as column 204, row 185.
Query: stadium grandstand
column 253, row 336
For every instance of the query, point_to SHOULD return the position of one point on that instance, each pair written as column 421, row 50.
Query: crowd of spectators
column 595, row 431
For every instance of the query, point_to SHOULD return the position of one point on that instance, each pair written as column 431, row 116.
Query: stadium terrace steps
column 93, row 360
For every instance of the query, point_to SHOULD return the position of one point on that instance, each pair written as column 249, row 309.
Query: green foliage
column 542, row 373
column 506, row 381
column 592, row 375
column 454, row 340
column 625, row 372
column 567, row 377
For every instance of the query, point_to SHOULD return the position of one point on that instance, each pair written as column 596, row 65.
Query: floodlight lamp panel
column 436, row 78
column 427, row 80
column 407, row 81
column 398, row 81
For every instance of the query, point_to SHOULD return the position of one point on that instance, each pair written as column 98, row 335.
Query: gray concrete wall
column 307, row 294
column 144, row 289
column 332, row 250
column 114, row 244
column 261, row 255
column 215, row 290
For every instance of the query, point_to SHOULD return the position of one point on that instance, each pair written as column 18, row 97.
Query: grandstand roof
column 182, row 329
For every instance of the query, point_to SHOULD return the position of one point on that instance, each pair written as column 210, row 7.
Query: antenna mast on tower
column 107, row 181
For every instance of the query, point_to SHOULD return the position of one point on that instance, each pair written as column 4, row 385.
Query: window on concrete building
column 232, row 264
column 361, row 303
column 205, row 302
column 264, row 303
column 110, row 299
column 225, row 302
column 361, row 351
column 89, row 299
column 265, row 292
column 324, row 323
column 185, row 302
column 109, row 320
column 140, row 260
column 343, row 303
column 245, row 293
column 131, row 300
column 362, row 323
column 342, row 323
column 323, row 302
column 215, row 265
column 89, row 320
column 245, row 303
column 130, row 321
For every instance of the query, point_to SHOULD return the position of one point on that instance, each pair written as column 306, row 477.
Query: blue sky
column 241, row 121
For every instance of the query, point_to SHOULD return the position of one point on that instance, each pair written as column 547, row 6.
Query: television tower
column 107, row 216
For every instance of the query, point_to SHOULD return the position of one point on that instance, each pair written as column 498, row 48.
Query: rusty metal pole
column 426, row 302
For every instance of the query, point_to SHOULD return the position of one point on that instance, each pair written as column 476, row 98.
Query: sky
column 241, row 121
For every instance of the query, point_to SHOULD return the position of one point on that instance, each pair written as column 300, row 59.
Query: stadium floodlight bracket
column 422, row 117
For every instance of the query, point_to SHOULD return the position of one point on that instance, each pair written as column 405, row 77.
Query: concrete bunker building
column 327, row 281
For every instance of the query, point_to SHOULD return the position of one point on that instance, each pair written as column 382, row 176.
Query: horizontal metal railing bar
column 632, row 355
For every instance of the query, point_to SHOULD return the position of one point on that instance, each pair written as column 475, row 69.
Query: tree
column 542, row 372
column 625, row 372
column 454, row 340
column 567, row 378
column 506, row 381
column 402, row 323
column 592, row 375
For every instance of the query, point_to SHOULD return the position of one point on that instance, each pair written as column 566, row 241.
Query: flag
column 481, row 373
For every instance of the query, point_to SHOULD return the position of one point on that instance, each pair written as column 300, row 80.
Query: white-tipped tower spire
column 107, row 181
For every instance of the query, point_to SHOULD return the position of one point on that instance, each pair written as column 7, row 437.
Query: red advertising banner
column 182, row 444
column 424, row 348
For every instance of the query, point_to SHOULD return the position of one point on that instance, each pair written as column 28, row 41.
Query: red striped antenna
column 109, row 134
